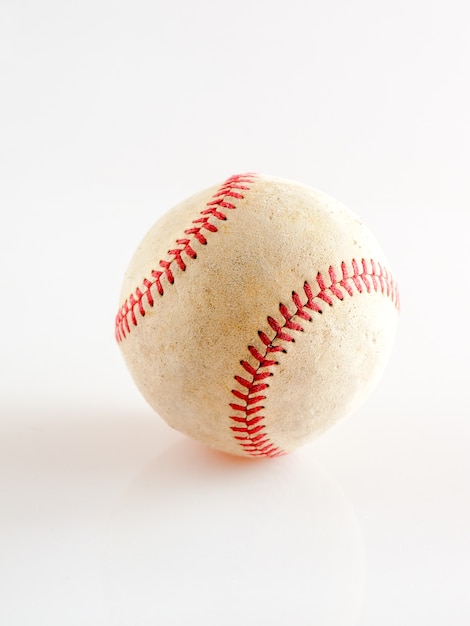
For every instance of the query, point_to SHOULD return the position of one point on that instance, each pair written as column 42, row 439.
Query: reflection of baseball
column 255, row 314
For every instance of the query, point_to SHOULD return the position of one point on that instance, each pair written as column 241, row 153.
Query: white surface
column 112, row 112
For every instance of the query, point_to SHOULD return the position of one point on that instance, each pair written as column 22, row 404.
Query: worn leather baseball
column 257, row 313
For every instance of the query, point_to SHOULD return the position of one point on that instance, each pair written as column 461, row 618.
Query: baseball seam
column 249, row 428
column 224, row 198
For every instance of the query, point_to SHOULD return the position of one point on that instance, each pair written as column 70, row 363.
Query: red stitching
column 231, row 188
column 250, row 432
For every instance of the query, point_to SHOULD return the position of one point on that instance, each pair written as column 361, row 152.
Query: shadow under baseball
column 201, row 537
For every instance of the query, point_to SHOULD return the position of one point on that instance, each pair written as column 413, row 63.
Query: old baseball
column 255, row 314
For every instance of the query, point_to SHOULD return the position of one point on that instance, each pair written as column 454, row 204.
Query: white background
column 110, row 113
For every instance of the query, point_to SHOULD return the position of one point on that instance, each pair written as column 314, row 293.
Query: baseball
column 255, row 314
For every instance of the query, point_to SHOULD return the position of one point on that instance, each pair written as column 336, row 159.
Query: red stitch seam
column 249, row 428
column 224, row 198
